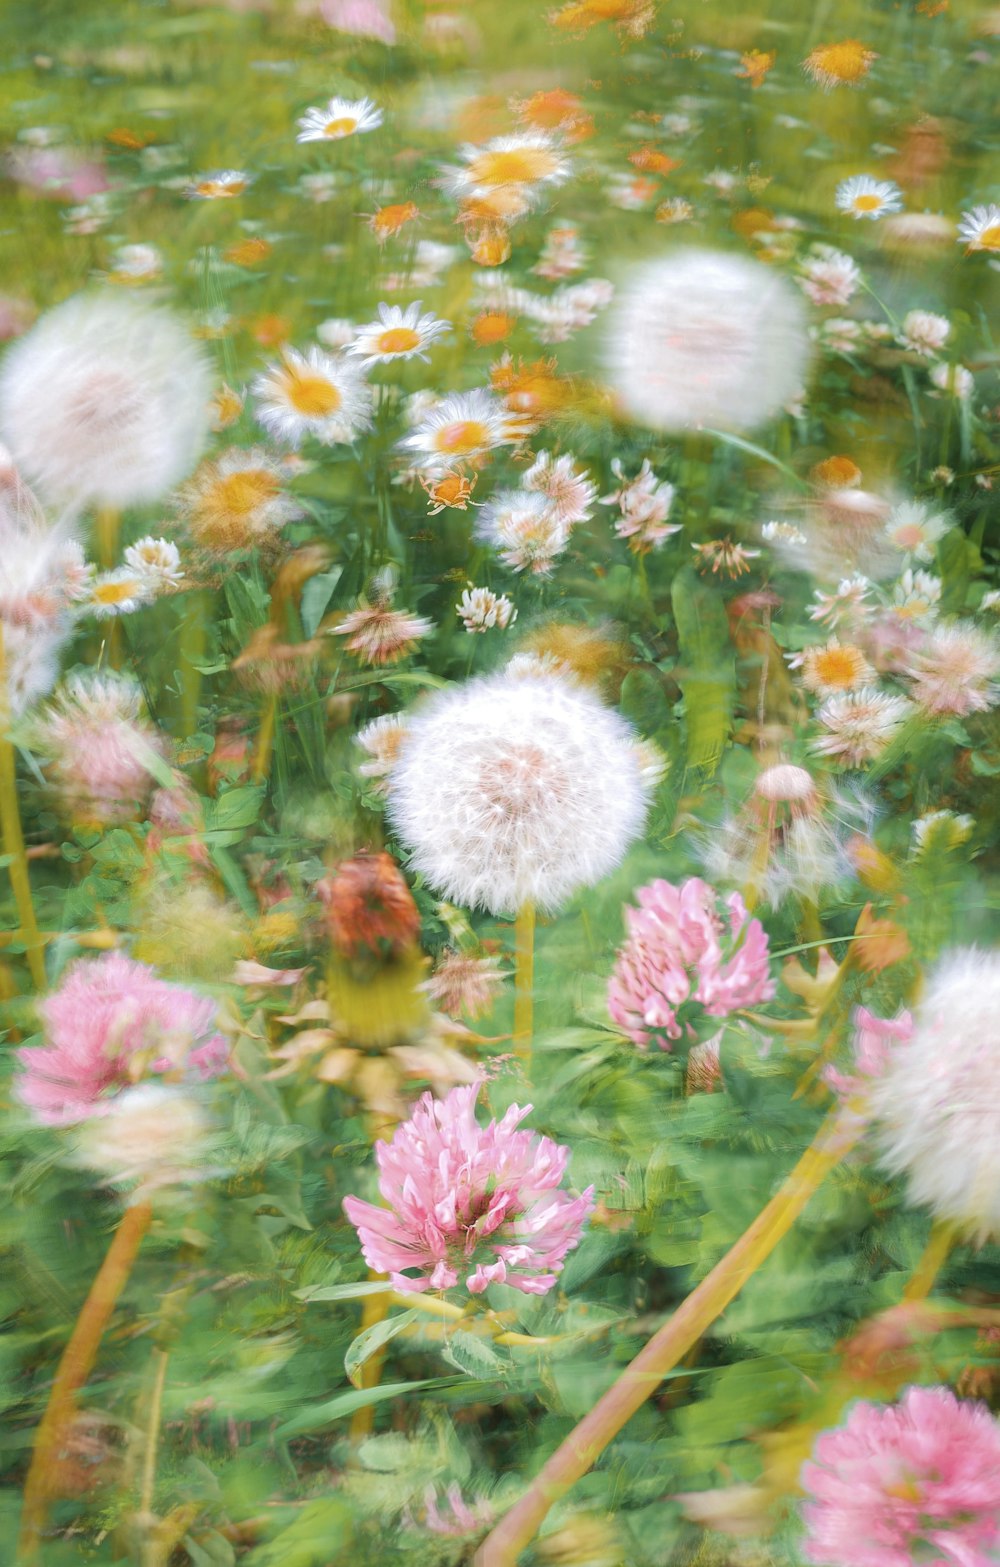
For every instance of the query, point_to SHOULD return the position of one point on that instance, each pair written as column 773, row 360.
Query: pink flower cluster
column 467, row 1199
column 918, row 1481
column 874, row 1039
column 679, row 949
column 112, row 1021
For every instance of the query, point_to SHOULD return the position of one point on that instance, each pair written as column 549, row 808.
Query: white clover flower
column 341, row 117
column 568, row 490
column 525, row 528
column 517, row 788
column 150, row 1138
column 702, row 338
column 315, row 393
column 936, row 1108
column 923, row 332
column 105, row 401
column 480, row 609
column 158, row 560
column 828, row 276
column 864, row 197
column 953, row 379
column 859, row 725
column 916, row 595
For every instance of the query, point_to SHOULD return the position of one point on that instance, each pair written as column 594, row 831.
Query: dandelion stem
column 584, row 1445
column 375, row 1309
column 74, row 1368
column 524, row 983
column 13, row 838
column 935, row 1254
column 265, row 738
column 162, row 1359
column 107, row 529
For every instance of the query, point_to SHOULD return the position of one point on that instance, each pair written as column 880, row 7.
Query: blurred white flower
column 105, row 401
column 705, row 338
column 923, row 332
column 936, row 1109
column 150, row 1138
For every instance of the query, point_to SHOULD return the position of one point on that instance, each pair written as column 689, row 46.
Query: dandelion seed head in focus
column 104, row 402
column 703, row 338
column 516, row 788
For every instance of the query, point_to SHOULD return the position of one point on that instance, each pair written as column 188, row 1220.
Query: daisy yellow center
column 839, row 666
column 867, row 203
column 845, row 62
column 462, row 437
column 989, row 239
column 311, row 395
column 346, row 125
column 517, row 166
column 241, row 494
column 221, row 187
column 114, row 592
column 398, row 340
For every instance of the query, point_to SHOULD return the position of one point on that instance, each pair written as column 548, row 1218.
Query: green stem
column 13, row 838
column 587, row 1441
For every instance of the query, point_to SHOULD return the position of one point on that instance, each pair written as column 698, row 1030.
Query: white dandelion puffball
column 937, row 1108
column 701, row 338
column 516, row 788
column 105, row 401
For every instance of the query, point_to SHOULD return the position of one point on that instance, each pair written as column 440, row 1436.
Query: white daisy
column 523, row 163
column 219, row 186
column 118, row 593
column 868, row 198
column 341, row 117
column 397, row 334
column 313, row 394
column 136, row 264
column 915, row 529
column 980, row 228
column 463, row 427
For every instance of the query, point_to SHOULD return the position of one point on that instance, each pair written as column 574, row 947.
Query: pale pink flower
column 378, row 634
column 112, row 1021
column 570, row 492
column 464, row 1199
column 828, row 276
column 458, row 1518
column 361, row 18
column 874, row 1039
column 955, row 670
column 464, row 985
column 678, row 950
column 898, row 1484
column 860, row 725
column 644, row 503
column 98, row 745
